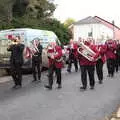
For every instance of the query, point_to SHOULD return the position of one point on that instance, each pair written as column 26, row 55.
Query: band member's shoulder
column 58, row 48
column 22, row 45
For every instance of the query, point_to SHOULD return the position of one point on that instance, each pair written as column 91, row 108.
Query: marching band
column 90, row 57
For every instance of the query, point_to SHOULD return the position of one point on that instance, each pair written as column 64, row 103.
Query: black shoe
column 34, row 80
column 82, row 88
column 39, row 78
column 39, row 81
column 108, row 75
column 100, row 82
column 112, row 75
column 17, row 86
column 48, row 87
column 14, row 86
column 76, row 70
column 92, row 87
column 59, row 87
column 69, row 71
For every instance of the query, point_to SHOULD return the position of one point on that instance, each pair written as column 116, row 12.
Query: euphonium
column 86, row 51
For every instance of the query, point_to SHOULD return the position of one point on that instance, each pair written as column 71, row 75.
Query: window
column 90, row 34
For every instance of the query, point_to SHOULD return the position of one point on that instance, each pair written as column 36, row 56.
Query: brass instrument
column 11, row 42
column 86, row 51
column 50, row 55
column 34, row 48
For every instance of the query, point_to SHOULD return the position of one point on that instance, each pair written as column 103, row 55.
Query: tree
column 36, row 14
column 61, row 31
column 38, row 9
column 6, row 11
column 68, row 22
column 19, row 7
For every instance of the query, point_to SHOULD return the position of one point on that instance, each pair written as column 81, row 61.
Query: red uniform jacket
column 110, row 52
column 84, row 61
column 102, row 51
column 57, row 51
column 75, row 47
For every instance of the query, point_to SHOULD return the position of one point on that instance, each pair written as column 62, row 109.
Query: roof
column 104, row 21
column 95, row 19
column 98, row 20
column 87, row 20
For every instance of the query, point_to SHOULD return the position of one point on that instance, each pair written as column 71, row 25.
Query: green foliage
column 34, row 14
column 33, row 8
column 6, row 10
column 69, row 22
column 19, row 7
column 60, row 30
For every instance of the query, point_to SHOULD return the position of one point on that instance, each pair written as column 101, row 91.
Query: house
column 96, row 28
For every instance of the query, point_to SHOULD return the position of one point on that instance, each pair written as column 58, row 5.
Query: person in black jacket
column 72, row 56
column 16, row 61
column 36, row 62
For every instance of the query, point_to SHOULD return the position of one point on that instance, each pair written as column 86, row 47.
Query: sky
column 79, row 9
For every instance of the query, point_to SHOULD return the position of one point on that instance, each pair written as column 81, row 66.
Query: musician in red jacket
column 110, row 56
column 88, row 66
column 55, row 64
column 99, row 63
column 72, row 56
column 117, row 61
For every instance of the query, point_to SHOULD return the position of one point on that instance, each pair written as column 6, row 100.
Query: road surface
column 34, row 102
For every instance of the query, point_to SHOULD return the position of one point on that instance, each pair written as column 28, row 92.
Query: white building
column 96, row 28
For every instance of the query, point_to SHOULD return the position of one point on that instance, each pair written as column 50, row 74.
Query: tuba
column 86, row 51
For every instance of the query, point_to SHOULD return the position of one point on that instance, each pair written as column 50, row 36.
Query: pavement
column 34, row 102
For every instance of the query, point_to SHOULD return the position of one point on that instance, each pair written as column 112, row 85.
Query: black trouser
column 51, row 71
column 36, row 68
column 116, row 63
column 16, row 73
column 111, row 66
column 74, row 60
column 119, row 61
column 99, row 69
column 90, row 70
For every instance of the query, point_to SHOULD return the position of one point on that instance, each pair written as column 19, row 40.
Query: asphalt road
column 34, row 102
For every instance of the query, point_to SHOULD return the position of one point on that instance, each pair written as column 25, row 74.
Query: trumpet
column 12, row 42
